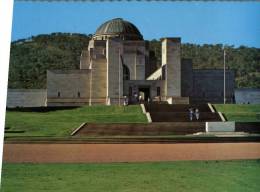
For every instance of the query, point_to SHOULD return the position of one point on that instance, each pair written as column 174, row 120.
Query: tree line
column 31, row 58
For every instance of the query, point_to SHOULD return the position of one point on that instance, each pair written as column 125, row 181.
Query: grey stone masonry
column 65, row 85
column 115, row 69
column 171, row 54
column 26, row 98
column 84, row 60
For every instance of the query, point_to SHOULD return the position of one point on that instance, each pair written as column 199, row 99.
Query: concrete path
column 85, row 153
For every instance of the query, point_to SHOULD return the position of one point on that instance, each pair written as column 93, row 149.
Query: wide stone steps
column 180, row 112
column 175, row 108
column 183, row 117
column 140, row 129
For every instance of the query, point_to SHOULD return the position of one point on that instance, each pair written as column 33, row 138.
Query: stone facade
column 68, row 87
column 26, row 98
column 206, row 85
column 171, row 60
column 118, row 63
column 247, row 96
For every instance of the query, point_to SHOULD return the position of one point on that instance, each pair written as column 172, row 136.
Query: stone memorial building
column 117, row 63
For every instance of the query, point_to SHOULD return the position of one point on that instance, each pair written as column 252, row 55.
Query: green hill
column 30, row 58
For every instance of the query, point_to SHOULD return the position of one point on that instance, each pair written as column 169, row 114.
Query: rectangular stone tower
column 98, row 73
column 114, row 55
column 171, row 63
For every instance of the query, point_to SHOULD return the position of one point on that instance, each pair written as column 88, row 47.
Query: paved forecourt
column 85, row 152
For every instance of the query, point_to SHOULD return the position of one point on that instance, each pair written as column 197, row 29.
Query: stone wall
column 134, row 53
column 26, row 98
column 84, row 60
column 99, row 78
column 208, row 86
column 247, row 95
column 114, row 70
column 228, row 126
column 171, row 50
column 186, row 77
column 67, row 87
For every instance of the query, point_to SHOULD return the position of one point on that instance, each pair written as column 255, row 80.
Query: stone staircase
column 139, row 129
column 179, row 113
column 167, row 120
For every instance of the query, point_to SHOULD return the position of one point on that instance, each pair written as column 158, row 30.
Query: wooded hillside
column 30, row 58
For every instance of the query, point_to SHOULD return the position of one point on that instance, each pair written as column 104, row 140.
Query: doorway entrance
column 144, row 92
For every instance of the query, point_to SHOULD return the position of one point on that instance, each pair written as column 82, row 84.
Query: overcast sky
column 195, row 22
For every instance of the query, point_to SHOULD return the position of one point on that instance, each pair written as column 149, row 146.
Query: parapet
column 173, row 39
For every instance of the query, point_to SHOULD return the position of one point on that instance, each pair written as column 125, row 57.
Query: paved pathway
column 78, row 153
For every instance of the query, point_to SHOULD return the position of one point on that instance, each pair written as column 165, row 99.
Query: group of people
column 139, row 98
column 194, row 112
column 136, row 99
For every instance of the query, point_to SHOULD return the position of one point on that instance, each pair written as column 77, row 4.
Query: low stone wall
column 26, row 98
column 178, row 100
column 247, row 96
column 228, row 126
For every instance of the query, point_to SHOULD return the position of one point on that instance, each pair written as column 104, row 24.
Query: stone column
column 171, row 63
column 114, row 54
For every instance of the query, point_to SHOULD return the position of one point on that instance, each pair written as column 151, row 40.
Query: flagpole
column 90, row 84
column 119, row 77
column 224, row 91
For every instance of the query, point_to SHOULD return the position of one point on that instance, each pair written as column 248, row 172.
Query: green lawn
column 62, row 122
column 198, row 176
column 242, row 113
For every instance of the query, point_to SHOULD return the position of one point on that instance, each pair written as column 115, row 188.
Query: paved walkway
column 85, row 153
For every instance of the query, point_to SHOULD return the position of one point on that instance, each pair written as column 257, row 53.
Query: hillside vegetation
column 30, row 58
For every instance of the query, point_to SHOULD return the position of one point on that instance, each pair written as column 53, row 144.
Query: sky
column 229, row 23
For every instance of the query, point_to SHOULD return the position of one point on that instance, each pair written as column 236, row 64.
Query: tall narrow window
column 78, row 94
column 130, row 91
column 58, row 94
column 126, row 73
column 158, row 91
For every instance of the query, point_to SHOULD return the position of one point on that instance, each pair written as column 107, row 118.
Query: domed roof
column 118, row 28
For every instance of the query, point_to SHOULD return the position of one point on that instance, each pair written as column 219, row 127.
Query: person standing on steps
column 140, row 99
column 125, row 101
column 197, row 114
column 191, row 113
column 136, row 97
